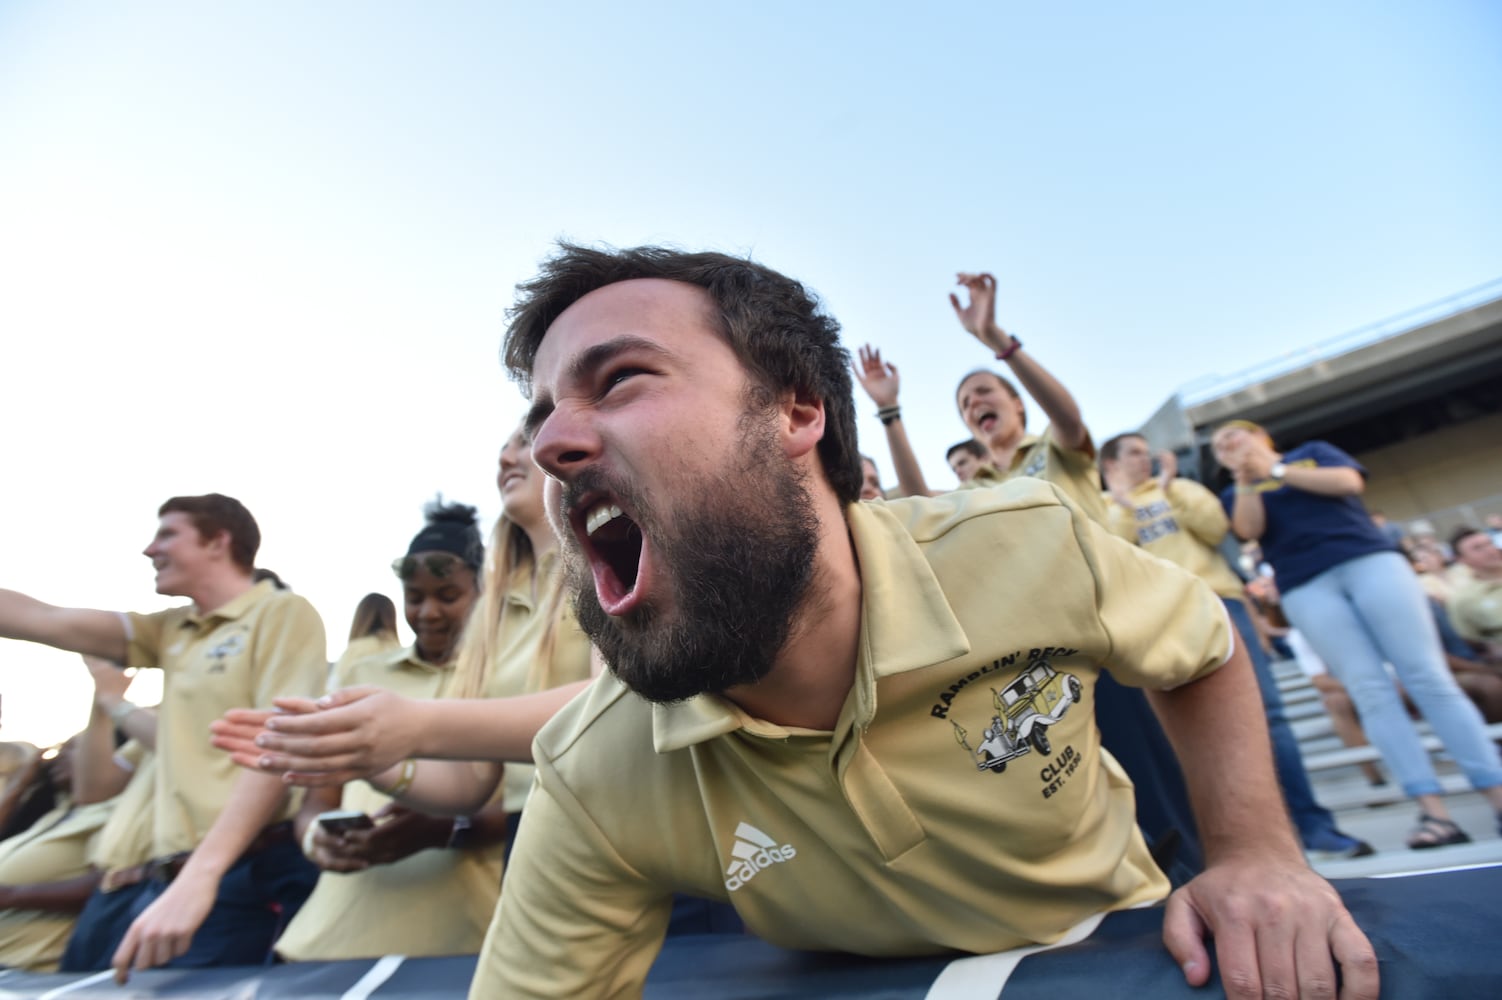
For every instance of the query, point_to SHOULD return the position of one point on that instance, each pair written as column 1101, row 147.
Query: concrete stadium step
column 1357, row 755
column 1406, row 861
column 1355, row 793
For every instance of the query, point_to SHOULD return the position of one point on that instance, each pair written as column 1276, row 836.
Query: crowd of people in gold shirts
column 710, row 659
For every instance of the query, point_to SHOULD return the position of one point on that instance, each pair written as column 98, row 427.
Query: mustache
column 598, row 482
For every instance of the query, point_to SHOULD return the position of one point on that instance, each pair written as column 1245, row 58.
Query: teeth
column 601, row 516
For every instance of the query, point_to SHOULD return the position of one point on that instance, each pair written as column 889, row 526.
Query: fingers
column 125, row 955
column 1360, row 979
column 346, row 696
column 251, row 717
column 313, row 779
column 1315, row 968
column 1184, row 937
column 293, row 706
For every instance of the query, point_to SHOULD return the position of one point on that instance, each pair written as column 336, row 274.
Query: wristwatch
column 1278, row 471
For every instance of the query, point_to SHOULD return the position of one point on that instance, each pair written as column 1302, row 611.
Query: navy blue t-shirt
column 1307, row 533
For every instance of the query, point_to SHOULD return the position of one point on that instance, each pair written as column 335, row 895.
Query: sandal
column 1435, row 832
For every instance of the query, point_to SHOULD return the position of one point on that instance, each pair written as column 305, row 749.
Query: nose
column 565, row 443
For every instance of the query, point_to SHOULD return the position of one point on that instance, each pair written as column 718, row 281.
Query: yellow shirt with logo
column 261, row 645
column 962, row 803
column 515, row 668
column 1040, row 456
column 1476, row 610
column 1182, row 524
column 434, row 902
column 53, row 849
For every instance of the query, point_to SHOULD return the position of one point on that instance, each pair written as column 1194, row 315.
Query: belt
column 166, row 868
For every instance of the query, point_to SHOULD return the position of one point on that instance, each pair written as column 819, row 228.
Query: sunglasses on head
column 440, row 564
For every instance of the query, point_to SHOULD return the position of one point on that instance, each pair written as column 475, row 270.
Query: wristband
column 888, row 414
column 121, row 711
column 404, row 782
column 1004, row 355
column 1243, row 491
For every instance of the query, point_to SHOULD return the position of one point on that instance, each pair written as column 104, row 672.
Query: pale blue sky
column 265, row 248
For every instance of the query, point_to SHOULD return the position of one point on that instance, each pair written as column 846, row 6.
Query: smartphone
column 340, row 820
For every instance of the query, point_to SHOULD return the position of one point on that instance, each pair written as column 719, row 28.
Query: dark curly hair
column 774, row 325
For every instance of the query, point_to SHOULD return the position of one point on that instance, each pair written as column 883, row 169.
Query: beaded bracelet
column 1016, row 343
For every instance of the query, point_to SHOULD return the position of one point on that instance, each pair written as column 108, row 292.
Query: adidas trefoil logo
column 754, row 851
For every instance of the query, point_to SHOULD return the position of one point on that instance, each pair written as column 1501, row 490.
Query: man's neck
column 1487, row 575
column 812, row 676
column 217, row 591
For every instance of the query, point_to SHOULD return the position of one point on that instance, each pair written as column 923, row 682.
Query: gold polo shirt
column 261, row 645
column 1042, row 457
column 52, row 849
column 434, row 902
column 962, row 802
column 1476, row 610
column 126, row 841
column 1183, row 525
column 515, row 669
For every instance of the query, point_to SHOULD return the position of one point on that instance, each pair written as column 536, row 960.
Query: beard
column 737, row 554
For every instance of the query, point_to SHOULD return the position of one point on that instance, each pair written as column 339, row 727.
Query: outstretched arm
column 79, row 630
column 978, row 316
column 361, row 732
column 881, row 383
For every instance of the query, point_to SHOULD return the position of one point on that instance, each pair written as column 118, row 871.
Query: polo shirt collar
column 906, row 624
column 409, row 658
column 1023, row 447
column 235, row 608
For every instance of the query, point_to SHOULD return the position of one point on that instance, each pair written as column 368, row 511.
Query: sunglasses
column 440, row 564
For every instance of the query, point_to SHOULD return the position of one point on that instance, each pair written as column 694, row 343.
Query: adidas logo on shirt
column 754, row 851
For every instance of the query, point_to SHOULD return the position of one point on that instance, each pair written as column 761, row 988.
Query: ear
column 801, row 421
column 218, row 544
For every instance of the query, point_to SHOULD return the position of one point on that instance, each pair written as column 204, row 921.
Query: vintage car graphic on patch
column 1025, row 709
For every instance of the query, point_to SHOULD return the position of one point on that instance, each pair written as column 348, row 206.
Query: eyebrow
column 585, row 364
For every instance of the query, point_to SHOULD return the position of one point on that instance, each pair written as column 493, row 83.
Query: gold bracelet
column 409, row 771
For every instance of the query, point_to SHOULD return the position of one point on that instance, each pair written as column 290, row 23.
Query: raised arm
column 79, row 630
column 881, row 382
column 978, row 317
column 96, row 774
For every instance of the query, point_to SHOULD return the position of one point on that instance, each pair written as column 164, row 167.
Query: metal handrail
column 1208, row 387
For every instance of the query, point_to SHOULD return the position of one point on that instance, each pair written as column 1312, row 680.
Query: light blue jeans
column 1368, row 610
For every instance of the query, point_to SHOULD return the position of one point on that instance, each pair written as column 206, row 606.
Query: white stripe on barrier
column 374, row 977
column 983, row 977
column 1437, row 871
column 78, row 984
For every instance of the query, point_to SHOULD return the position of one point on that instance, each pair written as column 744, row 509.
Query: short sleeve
column 290, row 652
column 147, row 636
column 1166, row 626
column 575, row 919
column 1327, row 456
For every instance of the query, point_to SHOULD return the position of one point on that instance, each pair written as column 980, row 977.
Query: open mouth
column 614, row 544
column 987, row 421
